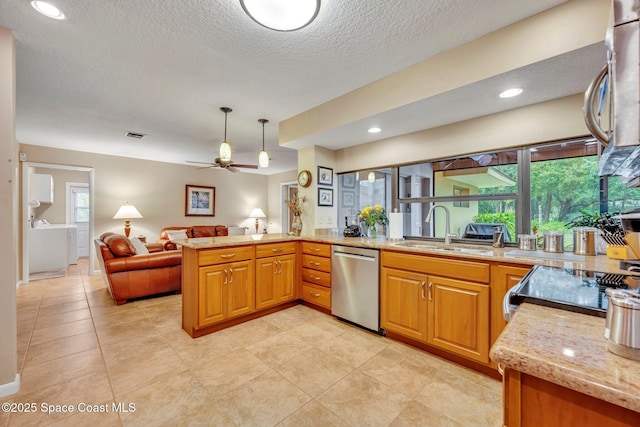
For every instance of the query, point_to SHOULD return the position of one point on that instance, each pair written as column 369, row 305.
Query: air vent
column 135, row 135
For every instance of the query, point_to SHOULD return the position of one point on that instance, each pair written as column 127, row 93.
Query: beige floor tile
column 362, row 401
column 286, row 319
column 60, row 371
column 265, row 401
column 75, row 394
column 24, row 304
column 229, row 371
column 60, row 318
column 125, row 332
column 314, row 371
column 111, row 309
column 92, row 418
column 167, row 401
column 51, row 350
column 313, row 414
column 194, row 351
column 355, row 346
column 165, row 299
column 252, row 332
column 49, row 310
column 317, row 331
column 46, row 302
column 445, row 392
column 278, row 348
column 416, row 414
column 56, row 332
column 118, row 317
column 402, row 373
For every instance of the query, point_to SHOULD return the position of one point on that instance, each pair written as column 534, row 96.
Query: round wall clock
column 304, row 178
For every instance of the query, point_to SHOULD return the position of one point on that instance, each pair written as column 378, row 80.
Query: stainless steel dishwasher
column 355, row 290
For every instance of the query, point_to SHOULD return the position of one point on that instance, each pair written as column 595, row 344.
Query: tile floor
column 297, row 367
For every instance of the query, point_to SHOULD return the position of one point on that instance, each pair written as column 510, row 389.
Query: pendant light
column 263, row 157
column 225, row 147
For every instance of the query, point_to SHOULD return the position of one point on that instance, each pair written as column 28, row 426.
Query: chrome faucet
column 447, row 227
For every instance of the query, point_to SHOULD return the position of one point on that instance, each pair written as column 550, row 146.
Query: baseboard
column 10, row 388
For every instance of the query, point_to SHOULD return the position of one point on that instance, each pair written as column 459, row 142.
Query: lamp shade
column 263, row 159
column 127, row 211
column 257, row 213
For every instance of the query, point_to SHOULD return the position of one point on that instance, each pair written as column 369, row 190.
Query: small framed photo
column 325, row 176
column 200, row 201
column 349, row 180
column 325, row 197
column 348, row 199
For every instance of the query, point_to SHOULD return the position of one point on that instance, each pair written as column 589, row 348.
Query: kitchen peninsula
column 482, row 273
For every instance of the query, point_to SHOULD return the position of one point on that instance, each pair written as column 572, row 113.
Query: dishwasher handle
column 354, row 256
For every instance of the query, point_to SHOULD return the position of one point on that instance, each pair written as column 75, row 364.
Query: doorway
column 62, row 173
column 288, row 190
column 78, row 212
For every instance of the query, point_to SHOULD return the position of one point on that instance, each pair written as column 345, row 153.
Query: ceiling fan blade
column 237, row 165
column 201, row 163
column 232, row 169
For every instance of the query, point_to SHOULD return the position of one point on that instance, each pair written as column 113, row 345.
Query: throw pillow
column 141, row 249
column 176, row 234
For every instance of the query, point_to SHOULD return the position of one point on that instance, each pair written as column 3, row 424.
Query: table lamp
column 127, row 212
column 257, row 213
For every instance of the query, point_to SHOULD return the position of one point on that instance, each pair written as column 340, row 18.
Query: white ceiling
column 165, row 68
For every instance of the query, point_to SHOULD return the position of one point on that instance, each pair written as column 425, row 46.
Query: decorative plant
column 373, row 215
column 604, row 222
column 296, row 204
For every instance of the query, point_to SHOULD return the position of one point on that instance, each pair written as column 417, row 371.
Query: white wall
column 9, row 380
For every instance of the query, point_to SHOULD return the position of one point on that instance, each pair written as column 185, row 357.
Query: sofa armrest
column 155, row 247
column 143, row 262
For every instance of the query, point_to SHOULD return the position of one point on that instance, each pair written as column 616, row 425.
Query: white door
column 79, row 210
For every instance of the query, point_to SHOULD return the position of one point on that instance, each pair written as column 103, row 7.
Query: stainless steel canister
column 584, row 240
column 624, row 322
column 553, row 241
column 528, row 242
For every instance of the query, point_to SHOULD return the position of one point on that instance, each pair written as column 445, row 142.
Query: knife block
column 623, row 252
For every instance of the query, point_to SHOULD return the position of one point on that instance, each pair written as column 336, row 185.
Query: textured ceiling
column 165, row 68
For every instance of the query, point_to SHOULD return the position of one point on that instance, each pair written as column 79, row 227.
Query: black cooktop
column 570, row 289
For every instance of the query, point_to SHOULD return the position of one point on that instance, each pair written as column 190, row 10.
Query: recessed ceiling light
column 282, row 15
column 510, row 93
column 374, row 130
column 47, row 9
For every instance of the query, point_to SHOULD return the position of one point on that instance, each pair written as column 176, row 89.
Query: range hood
column 621, row 75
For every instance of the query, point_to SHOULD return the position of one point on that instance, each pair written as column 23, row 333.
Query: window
column 81, row 206
column 359, row 189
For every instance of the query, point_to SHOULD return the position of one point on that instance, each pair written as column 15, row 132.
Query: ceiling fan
column 224, row 161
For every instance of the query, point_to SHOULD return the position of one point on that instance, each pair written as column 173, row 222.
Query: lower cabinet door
column 459, row 317
column 266, row 269
column 286, row 280
column 212, row 294
column 403, row 305
column 240, row 289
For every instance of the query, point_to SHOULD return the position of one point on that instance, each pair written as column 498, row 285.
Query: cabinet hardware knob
column 430, row 286
column 422, row 289
column 315, row 249
column 225, row 277
column 230, row 275
column 313, row 294
column 227, row 255
column 314, row 263
column 501, row 369
column 316, row 277
column 277, row 249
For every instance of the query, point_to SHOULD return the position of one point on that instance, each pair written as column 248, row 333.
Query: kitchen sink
column 424, row 245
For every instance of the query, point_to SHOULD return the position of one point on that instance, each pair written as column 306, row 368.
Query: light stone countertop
column 591, row 263
column 568, row 349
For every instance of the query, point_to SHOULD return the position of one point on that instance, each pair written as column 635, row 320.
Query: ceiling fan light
column 225, row 152
column 263, row 159
column 282, row 15
column 47, row 9
column 371, row 177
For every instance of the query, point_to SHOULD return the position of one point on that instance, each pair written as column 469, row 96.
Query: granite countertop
column 568, row 349
column 483, row 252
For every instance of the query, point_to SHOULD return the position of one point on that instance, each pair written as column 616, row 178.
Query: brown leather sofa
column 130, row 275
column 192, row 231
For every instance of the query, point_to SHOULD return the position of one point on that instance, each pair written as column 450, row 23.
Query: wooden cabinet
column 316, row 274
column 403, row 304
column 217, row 285
column 531, row 401
column 459, row 317
column 443, row 302
column 275, row 275
column 225, row 291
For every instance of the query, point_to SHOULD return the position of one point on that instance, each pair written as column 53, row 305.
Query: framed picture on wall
column 325, row 176
column 200, row 201
column 325, row 197
column 348, row 199
column 349, row 180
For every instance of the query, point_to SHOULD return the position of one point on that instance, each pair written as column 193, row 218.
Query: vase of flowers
column 373, row 216
column 296, row 205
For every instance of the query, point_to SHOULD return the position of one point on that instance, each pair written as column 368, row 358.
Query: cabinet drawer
column 316, row 277
column 319, row 249
column 316, row 262
column 273, row 249
column 316, row 295
column 464, row 269
column 218, row 256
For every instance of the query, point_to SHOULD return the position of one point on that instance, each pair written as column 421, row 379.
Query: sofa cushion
column 119, row 245
column 141, row 249
column 222, row 230
column 163, row 232
column 204, row 230
column 176, row 234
